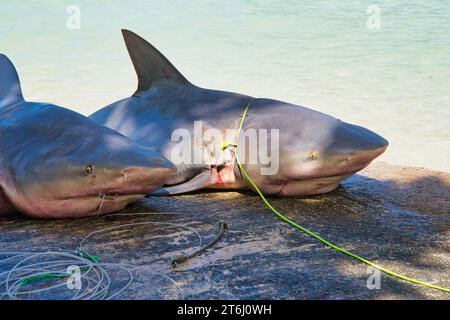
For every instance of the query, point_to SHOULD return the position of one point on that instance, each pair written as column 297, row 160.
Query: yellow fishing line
column 315, row 235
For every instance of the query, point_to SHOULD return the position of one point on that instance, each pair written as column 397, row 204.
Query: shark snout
column 142, row 180
column 130, row 168
column 358, row 160
column 139, row 171
column 350, row 138
column 360, row 146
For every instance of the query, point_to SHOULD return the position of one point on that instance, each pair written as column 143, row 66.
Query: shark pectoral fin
column 200, row 181
column 152, row 68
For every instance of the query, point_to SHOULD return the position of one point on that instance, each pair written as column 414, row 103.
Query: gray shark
column 56, row 163
column 316, row 151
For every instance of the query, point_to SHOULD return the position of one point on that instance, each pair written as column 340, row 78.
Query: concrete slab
column 398, row 217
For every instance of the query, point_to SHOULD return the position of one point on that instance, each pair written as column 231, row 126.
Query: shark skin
column 316, row 151
column 56, row 163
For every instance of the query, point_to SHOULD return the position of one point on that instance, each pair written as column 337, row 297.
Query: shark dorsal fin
column 152, row 68
column 10, row 91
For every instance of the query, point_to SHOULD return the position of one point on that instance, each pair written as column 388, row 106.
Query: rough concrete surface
column 398, row 217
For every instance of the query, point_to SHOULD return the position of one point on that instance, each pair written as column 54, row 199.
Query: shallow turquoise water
column 320, row 54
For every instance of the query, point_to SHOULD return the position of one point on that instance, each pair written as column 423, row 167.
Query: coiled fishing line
column 49, row 274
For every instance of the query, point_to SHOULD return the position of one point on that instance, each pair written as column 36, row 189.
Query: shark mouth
column 108, row 203
column 105, row 196
column 310, row 186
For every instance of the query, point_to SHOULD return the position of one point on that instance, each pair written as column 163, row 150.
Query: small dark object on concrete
column 179, row 259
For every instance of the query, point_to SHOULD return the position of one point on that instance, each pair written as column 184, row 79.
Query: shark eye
column 89, row 169
column 313, row 155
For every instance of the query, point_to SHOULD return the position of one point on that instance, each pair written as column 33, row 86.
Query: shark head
column 84, row 171
column 57, row 163
column 315, row 151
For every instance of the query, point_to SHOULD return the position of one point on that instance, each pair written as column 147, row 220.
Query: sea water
column 384, row 65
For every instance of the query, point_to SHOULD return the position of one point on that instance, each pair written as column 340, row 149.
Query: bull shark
column 315, row 151
column 56, row 163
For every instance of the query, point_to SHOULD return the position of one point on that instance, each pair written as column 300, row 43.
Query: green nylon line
column 48, row 276
column 51, row 275
column 315, row 235
column 83, row 254
column 41, row 277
